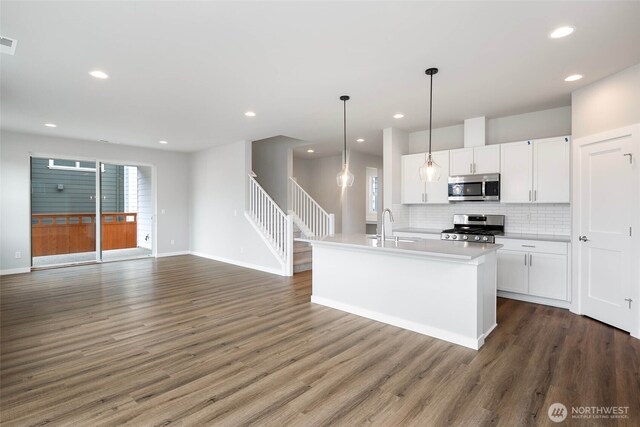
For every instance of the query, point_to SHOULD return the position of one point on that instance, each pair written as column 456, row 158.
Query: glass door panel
column 63, row 210
column 125, row 212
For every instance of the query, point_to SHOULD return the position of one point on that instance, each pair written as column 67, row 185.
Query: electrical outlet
column 235, row 212
column 162, row 211
column 241, row 250
column 18, row 255
column 173, row 242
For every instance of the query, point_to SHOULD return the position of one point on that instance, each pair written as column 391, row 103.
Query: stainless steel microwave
column 474, row 188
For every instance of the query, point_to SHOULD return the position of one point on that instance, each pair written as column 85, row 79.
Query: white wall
column 219, row 229
column 145, row 207
column 354, row 202
column 272, row 162
column 395, row 144
column 15, row 150
column 318, row 178
column 607, row 104
column 539, row 124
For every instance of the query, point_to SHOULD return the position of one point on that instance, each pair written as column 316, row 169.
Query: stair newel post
column 332, row 224
column 289, row 246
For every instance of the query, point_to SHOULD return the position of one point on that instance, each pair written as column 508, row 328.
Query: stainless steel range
column 475, row 228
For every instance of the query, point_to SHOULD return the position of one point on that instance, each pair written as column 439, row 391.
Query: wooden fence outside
column 56, row 234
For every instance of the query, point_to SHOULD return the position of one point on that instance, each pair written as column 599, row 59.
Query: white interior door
column 606, row 209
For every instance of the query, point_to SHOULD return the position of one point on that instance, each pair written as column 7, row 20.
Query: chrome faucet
column 384, row 229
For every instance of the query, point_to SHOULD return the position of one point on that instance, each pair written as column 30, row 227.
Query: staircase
column 309, row 220
column 280, row 231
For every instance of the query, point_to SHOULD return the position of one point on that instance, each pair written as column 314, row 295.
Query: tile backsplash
column 554, row 219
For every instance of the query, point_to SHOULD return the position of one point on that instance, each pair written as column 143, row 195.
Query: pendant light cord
column 344, row 122
column 430, row 110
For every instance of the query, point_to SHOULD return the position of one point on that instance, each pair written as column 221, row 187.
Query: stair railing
column 276, row 226
column 317, row 221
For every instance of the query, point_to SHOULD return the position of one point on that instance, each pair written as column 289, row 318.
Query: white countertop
column 463, row 251
column 523, row 236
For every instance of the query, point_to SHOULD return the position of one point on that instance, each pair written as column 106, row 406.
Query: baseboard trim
column 276, row 271
column 420, row 328
column 535, row 300
column 168, row 254
column 11, row 271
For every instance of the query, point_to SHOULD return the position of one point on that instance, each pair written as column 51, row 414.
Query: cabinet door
column 516, row 177
column 486, row 159
column 413, row 189
column 438, row 191
column 551, row 170
column 512, row 271
column 461, row 161
column 548, row 275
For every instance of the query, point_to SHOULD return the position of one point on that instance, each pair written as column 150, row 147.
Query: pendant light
column 344, row 177
column 430, row 171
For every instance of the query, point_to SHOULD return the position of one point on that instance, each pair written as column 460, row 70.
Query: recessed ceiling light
column 250, row 114
column 51, row 125
column 573, row 78
column 360, row 140
column 558, row 33
column 310, row 151
column 398, row 116
column 163, row 142
column 99, row 74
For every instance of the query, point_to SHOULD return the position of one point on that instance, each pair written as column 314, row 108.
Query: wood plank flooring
column 193, row 342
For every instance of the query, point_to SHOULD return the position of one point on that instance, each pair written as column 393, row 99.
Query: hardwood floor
column 189, row 341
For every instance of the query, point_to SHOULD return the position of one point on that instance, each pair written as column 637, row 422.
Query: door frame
column 98, row 161
column 577, row 290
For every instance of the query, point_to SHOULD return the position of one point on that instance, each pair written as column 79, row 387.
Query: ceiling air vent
column 8, row 45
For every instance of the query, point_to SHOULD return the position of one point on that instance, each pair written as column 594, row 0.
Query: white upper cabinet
column 416, row 191
column 413, row 188
column 461, row 161
column 475, row 160
column 551, row 160
column 516, row 172
column 535, row 171
column 486, row 159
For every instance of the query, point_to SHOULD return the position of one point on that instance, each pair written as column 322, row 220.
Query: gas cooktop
column 475, row 228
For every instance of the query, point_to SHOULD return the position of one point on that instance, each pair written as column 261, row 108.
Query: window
column 69, row 165
column 372, row 194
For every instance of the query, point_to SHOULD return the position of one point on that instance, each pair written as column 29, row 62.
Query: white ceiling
column 186, row 72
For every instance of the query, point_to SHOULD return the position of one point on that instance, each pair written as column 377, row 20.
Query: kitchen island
column 443, row 289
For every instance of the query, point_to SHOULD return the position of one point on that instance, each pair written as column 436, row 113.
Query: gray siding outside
column 79, row 187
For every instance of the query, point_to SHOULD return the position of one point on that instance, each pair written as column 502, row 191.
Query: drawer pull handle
column 528, row 246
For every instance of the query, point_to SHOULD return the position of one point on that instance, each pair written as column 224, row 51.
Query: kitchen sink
column 390, row 239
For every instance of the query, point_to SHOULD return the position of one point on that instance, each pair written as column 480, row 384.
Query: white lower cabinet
column 512, row 271
column 537, row 269
column 548, row 275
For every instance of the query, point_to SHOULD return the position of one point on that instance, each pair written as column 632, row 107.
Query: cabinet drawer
column 534, row 246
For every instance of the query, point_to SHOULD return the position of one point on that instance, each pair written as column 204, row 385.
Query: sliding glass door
column 63, row 211
column 126, row 212
column 65, row 196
